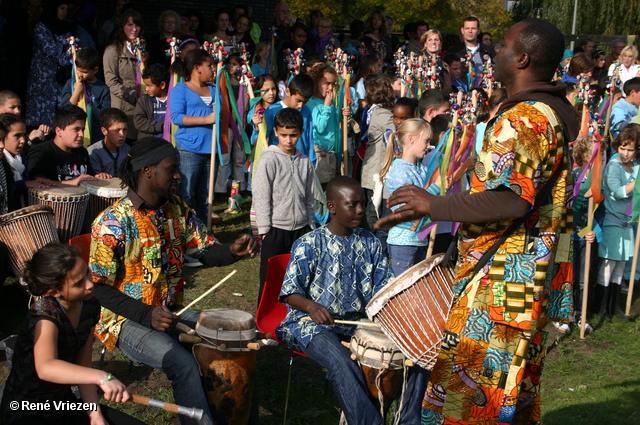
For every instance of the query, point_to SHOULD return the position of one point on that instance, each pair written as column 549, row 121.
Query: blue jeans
column 194, row 186
column 345, row 375
column 405, row 256
column 162, row 351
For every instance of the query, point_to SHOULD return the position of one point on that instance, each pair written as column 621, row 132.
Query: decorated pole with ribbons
column 594, row 180
column 84, row 102
column 168, row 128
column 219, row 52
column 443, row 169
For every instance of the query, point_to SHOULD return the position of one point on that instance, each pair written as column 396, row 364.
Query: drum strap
column 543, row 198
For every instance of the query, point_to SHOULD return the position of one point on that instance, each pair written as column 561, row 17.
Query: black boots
column 614, row 307
column 601, row 300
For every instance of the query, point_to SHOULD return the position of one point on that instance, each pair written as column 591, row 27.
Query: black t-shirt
column 49, row 161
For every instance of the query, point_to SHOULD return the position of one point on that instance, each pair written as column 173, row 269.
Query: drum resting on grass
column 412, row 309
column 227, row 366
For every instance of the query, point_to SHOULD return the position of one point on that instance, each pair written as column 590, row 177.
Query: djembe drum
column 382, row 365
column 25, row 231
column 226, row 364
column 102, row 193
column 412, row 310
column 69, row 204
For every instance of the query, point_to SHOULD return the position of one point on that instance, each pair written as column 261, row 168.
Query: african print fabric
column 341, row 273
column 494, row 346
column 141, row 253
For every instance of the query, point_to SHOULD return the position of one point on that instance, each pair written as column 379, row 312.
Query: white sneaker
column 587, row 327
column 191, row 262
column 562, row 327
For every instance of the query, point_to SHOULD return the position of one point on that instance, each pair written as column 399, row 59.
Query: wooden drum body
column 226, row 364
column 382, row 365
column 25, row 231
column 69, row 204
column 412, row 310
column 102, row 193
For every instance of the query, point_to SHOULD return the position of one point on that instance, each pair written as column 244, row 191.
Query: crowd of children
column 293, row 174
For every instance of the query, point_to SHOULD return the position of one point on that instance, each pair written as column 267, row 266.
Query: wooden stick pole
column 207, row 292
column 190, row 412
column 632, row 278
column 432, row 240
column 587, row 266
column 352, row 322
column 212, row 176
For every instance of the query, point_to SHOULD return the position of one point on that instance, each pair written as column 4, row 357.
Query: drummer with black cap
column 137, row 257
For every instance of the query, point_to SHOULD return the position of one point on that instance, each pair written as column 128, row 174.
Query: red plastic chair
column 271, row 311
column 83, row 244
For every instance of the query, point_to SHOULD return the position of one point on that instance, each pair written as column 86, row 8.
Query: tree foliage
column 607, row 17
column 444, row 15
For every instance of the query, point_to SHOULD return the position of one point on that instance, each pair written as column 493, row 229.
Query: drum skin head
column 227, row 319
column 61, row 191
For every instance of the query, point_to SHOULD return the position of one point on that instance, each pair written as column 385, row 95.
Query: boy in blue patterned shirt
column 333, row 273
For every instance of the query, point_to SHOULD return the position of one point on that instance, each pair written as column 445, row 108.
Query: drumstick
column 352, row 322
column 190, row 412
column 206, row 293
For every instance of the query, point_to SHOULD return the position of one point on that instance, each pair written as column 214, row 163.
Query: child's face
column 203, row 72
column 327, row 84
column 14, row 142
column 455, row 70
column 264, row 53
column 431, row 112
column 347, row 209
column 288, row 138
column 77, row 286
column 154, row 90
column 270, row 92
column 418, row 146
column 88, row 75
column 397, row 86
column 71, row 136
column 401, row 113
column 11, row 106
column 116, row 134
column 234, row 66
column 295, row 101
column 627, row 153
column 634, row 97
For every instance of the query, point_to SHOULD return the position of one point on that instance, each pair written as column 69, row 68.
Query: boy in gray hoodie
column 283, row 191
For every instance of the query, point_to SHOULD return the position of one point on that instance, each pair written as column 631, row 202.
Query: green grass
column 595, row 381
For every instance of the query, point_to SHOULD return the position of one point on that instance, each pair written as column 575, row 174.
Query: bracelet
column 109, row 377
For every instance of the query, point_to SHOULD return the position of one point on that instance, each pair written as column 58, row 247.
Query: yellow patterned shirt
column 141, row 252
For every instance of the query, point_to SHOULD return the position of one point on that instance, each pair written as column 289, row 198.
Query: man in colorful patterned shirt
column 137, row 254
column 333, row 272
column 490, row 364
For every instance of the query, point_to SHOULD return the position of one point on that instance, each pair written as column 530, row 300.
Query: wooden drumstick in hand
column 206, row 293
column 352, row 322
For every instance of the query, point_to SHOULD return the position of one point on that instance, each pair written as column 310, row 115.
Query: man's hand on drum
column 244, row 245
column 104, row 176
column 40, row 182
column 417, row 204
column 79, row 179
column 162, row 318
